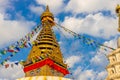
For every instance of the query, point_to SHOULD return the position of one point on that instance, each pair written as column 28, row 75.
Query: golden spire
column 47, row 13
column 47, row 8
column 45, row 58
column 118, row 13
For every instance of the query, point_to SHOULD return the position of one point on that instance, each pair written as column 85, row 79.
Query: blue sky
column 95, row 19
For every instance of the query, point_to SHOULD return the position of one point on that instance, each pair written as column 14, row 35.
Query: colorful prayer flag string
column 86, row 40
column 6, row 65
column 22, row 43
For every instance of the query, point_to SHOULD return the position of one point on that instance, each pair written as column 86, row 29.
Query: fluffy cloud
column 101, row 75
column 88, row 6
column 11, row 73
column 93, row 24
column 5, row 4
column 98, row 60
column 72, row 60
column 112, row 43
column 56, row 6
column 80, row 74
column 100, row 57
column 36, row 9
column 87, row 75
column 12, row 30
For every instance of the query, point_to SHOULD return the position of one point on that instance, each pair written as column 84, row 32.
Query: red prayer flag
column 6, row 65
column 10, row 50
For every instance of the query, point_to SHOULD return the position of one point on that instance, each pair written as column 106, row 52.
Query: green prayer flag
column 2, row 63
column 3, row 52
column 21, row 46
column 13, row 53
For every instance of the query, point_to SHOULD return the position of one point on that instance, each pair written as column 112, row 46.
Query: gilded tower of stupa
column 45, row 60
column 113, row 67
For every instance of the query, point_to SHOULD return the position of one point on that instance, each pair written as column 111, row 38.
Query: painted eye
column 52, row 71
column 38, row 70
column 31, row 72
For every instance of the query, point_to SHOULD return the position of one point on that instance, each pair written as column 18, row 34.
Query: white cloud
column 100, row 57
column 77, row 71
column 87, row 75
column 112, row 43
column 5, row 4
column 93, row 24
column 99, row 60
column 101, row 75
column 56, row 6
column 72, row 60
column 36, row 9
column 80, row 74
column 11, row 73
column 90, row 6
column 12, row 30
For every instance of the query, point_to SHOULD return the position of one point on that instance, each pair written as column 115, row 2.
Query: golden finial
column 118, row 14
column 47, row 13
column 118, row 9
column 47, row 8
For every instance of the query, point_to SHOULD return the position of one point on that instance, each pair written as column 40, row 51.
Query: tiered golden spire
column 47, row 13
column 45, row 58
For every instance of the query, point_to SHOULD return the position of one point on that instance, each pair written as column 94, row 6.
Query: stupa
column 45, row 60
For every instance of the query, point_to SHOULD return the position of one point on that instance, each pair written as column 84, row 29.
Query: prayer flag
column 6, row 65
column 29, row 44
column 17, row 48
column 11, row 55
column 16, row 63
column 12, row 65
